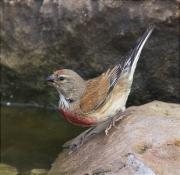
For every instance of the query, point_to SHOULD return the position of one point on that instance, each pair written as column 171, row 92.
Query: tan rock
column 147, row 142
column 39, row 172
column 7, row 169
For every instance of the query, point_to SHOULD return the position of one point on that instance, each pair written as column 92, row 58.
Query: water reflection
column 33, row 137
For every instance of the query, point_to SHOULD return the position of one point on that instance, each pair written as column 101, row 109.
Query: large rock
column 35, row 172
column 147, row 142
column 8, row 170
column 39, row 37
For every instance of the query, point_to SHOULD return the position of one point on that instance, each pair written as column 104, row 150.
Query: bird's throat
column 63, row 102
column 71, row 113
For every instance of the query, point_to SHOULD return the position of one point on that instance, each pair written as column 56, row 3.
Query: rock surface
column 7, row 169
column 10, row 170
column 37, row 172
column 147, row 142
column 40, row 37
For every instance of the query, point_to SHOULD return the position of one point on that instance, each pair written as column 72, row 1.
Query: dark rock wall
column 40, row 37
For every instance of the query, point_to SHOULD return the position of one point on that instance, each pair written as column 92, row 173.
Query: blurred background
column 39, row 37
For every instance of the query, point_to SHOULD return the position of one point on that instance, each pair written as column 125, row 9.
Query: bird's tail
column 133, row 56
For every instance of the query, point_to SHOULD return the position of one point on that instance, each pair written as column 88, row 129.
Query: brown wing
column 96, row 92
column 99, row 89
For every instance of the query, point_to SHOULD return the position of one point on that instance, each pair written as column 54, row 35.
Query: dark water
column 33, row 137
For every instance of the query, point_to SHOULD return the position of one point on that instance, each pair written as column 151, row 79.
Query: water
column 33, row 137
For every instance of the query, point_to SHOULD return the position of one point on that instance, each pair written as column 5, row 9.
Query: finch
column 89, row 103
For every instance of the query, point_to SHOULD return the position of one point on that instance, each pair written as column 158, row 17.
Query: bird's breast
column 77, row 119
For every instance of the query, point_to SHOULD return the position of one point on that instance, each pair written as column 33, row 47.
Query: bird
column 89, row 103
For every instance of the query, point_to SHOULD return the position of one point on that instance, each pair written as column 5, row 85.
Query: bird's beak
column 49, row 80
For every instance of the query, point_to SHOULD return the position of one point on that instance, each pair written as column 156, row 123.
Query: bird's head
column 68, row 83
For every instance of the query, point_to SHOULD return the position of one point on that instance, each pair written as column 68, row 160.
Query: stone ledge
column 147, row 141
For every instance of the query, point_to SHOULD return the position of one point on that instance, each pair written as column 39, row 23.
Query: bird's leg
column 81, row 140
column 109, row 127
column 112, row 123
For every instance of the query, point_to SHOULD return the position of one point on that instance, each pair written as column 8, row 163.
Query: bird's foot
column 75, row 147
column 113, row 120
column 80, row 142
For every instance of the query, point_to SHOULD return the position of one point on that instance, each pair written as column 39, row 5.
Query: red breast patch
column 77, row 120
column 59, row 71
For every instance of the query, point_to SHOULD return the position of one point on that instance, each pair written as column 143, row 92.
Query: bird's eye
column 61, row 78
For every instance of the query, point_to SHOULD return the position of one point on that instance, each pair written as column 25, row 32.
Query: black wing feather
column 125, row 63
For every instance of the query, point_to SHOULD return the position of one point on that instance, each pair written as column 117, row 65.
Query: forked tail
column 133, row 56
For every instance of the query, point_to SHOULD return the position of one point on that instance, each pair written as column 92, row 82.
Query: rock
column 35, row 172
column 39, row 172
column 147, row 142
column 7, row 169
column 40, row 37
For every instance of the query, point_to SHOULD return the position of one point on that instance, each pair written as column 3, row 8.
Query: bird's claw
column 113, row 120
column 109, row 127
column 72, row 146
column 75, row 148
column 115, row 127
column 80, row 142
column 70, row 153
column 106, row 131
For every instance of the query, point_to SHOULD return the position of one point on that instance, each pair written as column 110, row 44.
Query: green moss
column 144, row 148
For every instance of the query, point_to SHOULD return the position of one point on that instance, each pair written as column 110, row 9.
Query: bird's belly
column 114, row 104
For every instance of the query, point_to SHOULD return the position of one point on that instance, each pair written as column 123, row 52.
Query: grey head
column 68, row 83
